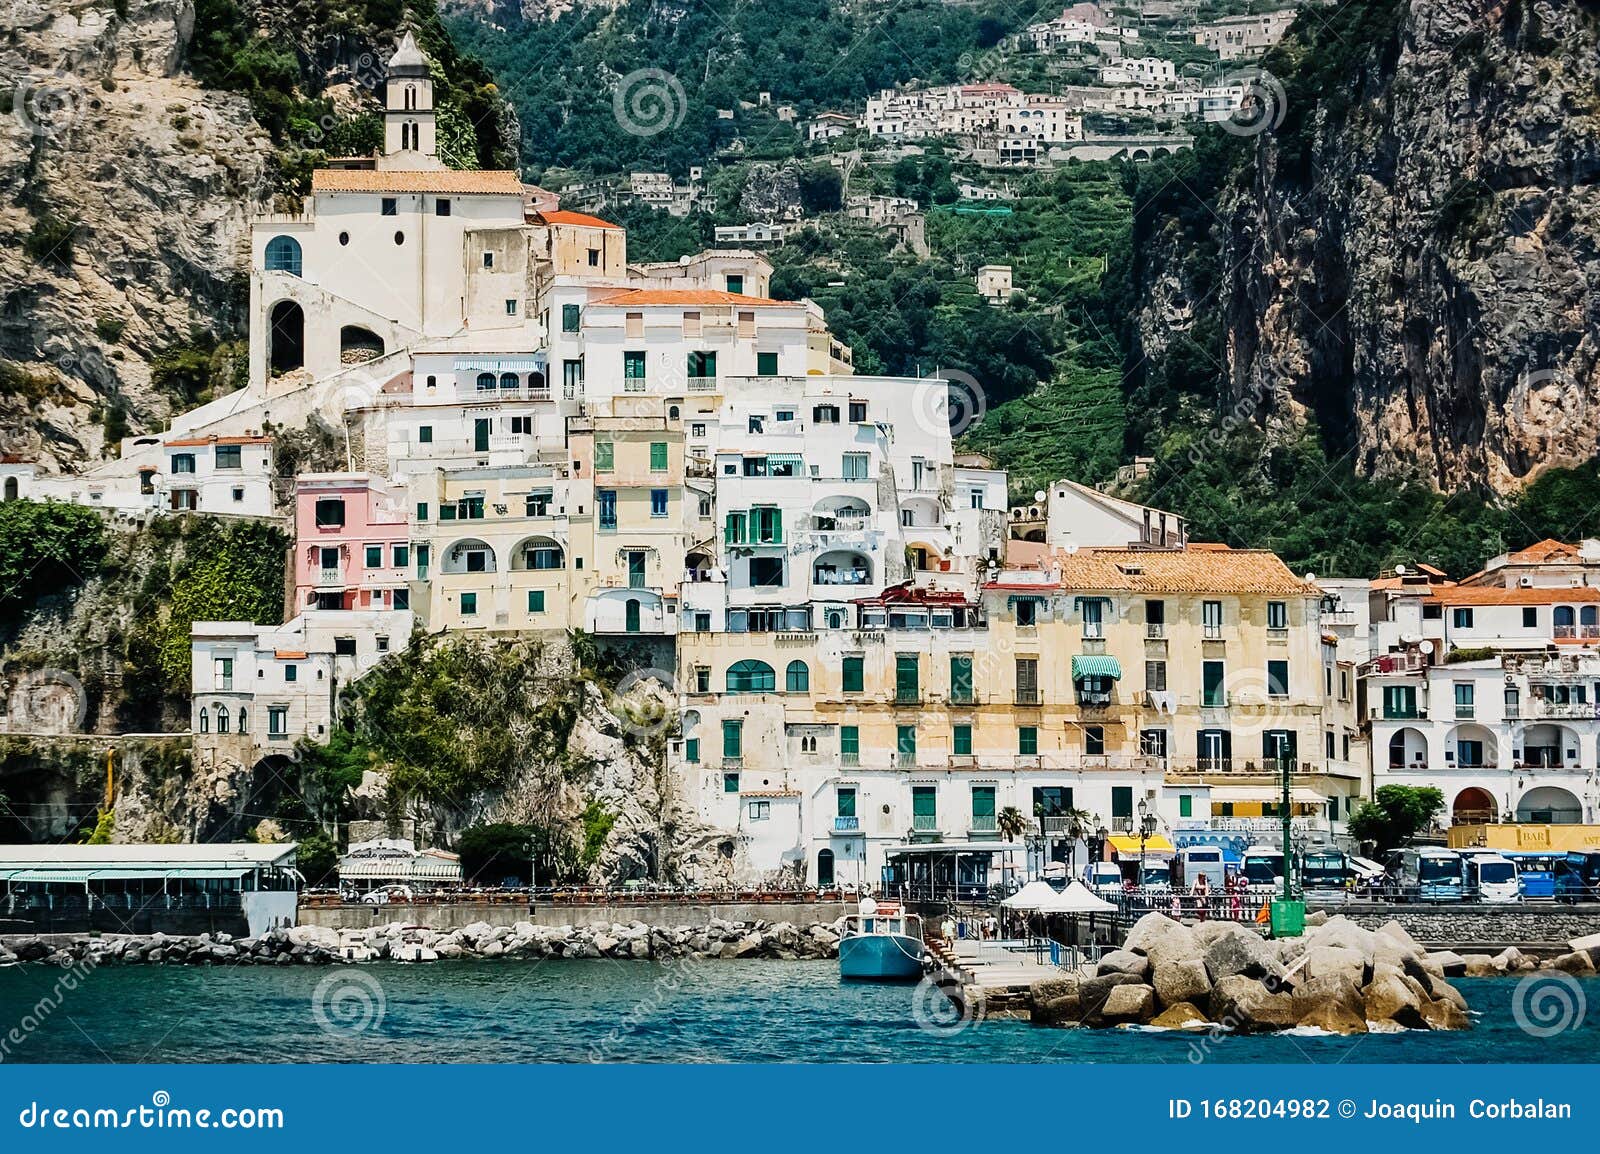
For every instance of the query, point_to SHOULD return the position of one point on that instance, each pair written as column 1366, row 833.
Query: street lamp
column 1074, row 832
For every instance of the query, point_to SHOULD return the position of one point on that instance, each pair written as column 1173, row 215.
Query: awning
column 785, row 459
column 495, row 364
column 1125, row 845
column 1298, row 795
column 1093, row 665
column 57, row 877
column 399, row 869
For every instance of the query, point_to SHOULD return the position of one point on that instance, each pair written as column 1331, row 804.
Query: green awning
column 1096, row 666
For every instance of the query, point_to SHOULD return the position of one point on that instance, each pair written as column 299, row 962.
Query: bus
column 1434, row 874
column 1578, row 879
column 1196, row 861
column 1536, row 872
column 1493, row 878
column 1324, row 869
column 1263, row 867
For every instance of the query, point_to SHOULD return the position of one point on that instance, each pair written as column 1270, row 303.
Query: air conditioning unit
column 1525, row 582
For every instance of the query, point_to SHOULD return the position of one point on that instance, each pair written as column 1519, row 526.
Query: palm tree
column 1011, row 823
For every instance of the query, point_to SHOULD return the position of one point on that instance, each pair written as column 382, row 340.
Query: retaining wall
column 455, row 916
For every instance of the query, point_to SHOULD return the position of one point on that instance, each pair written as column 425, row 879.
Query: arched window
column 11, row 489
column 1563, row 616
column 824, row 867
column 751, row 677
column 411, row 97
column 485, row 381
column 222, row 719
column 205, row 720
column 797, row 678
column 1588, row 615
column 509, row 380
column 283, row 255
column 835, row 619
column 244, row 721
column 673, row 412
column 630, row 616
column 536, row 380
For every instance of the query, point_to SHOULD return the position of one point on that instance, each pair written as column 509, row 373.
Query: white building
column 1244, row 36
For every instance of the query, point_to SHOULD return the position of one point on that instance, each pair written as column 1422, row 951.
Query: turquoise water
column 708, row 1011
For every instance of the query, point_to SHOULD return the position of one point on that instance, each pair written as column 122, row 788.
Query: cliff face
column 1410, row 255
column 125, row 191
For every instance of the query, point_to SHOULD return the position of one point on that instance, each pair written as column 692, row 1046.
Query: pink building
column 352, row 544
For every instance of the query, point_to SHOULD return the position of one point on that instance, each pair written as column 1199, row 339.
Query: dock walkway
column 997, row 975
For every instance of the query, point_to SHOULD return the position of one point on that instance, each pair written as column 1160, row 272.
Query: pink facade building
column 352, row 544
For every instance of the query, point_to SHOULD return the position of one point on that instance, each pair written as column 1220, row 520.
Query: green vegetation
column 597, row 825
column 1395, row 815
column 316, row 857
column 201, row 369
column 232, row 572
column 46, row 547
column 51, row 239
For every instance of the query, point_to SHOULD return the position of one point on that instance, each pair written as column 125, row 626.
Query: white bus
column 1434, row 874
column 1263, row 867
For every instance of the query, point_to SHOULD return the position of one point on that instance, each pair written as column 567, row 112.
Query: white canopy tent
column 1035, row 896
column 1077, row 899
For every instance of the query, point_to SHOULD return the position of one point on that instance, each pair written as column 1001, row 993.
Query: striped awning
column 499, row 364
column 1096, row 665
column 399, row 869
column 785, row 459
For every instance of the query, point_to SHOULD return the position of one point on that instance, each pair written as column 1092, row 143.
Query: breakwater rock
column 1339, row 977
column 314, row 945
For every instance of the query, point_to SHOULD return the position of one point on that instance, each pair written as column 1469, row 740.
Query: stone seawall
column 459, row 915
column 1538, row 928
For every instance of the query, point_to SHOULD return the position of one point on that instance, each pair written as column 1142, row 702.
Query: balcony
column 1570, row 632
column 852, row 758
column 1031, row 697
column 1579, row 710
column 1464, row 712
column 1094, row 701
column 983, row 823
column 702, row 384
column 1155, row 630
column 735, row 761
column 846, row 824
column 925, row 823
column 330, row 577
column 906, row 695
column 1212, row 633
column 962, row 697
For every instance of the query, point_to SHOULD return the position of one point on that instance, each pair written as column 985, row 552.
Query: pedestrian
column 1202, row 896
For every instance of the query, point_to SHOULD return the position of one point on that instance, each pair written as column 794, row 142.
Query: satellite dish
column 1311, row 576
column 1425, row 648
column 867, row 907
column 1038, row 494
column 1399, row 570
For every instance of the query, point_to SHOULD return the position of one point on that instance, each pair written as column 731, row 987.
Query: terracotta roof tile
column 1547, row 550
column 563, row 216
column 1493, row 595
column 443, row 180
column 1204, row 569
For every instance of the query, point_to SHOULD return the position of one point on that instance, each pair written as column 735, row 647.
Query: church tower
column 409, row 130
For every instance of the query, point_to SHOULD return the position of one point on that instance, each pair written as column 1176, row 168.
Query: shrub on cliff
column 45, row 547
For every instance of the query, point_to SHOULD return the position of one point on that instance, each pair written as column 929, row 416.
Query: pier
column 993, row 977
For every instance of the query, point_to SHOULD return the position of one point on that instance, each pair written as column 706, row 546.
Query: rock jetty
column 1339, row 977
column 315, row 945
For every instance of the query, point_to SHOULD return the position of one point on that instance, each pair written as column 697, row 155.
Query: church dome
column 408, row 59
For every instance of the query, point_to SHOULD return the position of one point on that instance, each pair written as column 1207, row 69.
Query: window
column 858, row 412
column 759, row 810
column 658, row 502
column 1212, row 692
column 906, row 677
column 854, row 467
column 535, row 600
column 511, row 307
column 277, row 720
column 399, row 237
column 283, row 255
column 730, row 783
column 441, row 206
column 1530, row 617
column 1094, row 740
column 735, row 282
column 1278, row 746
column 422, row 510
column 330, row 513
column 222, row 671
column 1277, row 679
column 766, row 364
column 1463, row 691
column 961, row 740
column 1155, row 618
column 1399, row 701
column 230, row 457
column 854, row 671
column 486, row 382
column 766, row 571
column 1027, row 681
column 425, row 435
column 374, row 555
column 732, row 738
column 344, row 646
column 1121, row 801
column 291, row 673
column 633, row 374
column 1461, row 618
column 1185, row 805
column 961, row 677
column 797, row 678
column 751, row 677
column 183, row 462
column 1155, row 676
column 1277, row 615
column 1094, row 618
column 594, row 258
column 658, row 456
column 1027, row 740
column 388, row 207
column 244, row 720
column 605, row 456
column 1211, row 619
column 849, row 744
column 691, row 750
column 570, row 318
column 1153, row 742
column 702, row 365
column 469, row 604
column 488, row 260
column 905, row 742
column 1027, row 612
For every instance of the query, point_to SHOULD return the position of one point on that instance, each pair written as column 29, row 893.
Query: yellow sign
column 1559, row 838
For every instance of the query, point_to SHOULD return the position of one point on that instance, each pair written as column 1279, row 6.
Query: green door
column 905, row 677
column 630, row 613
column 635, row 571
column 480, row 435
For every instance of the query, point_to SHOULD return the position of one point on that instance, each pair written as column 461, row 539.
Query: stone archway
column 1474, row 806
column 286, row 339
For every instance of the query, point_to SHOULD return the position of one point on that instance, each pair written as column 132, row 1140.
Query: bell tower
column 409, row 131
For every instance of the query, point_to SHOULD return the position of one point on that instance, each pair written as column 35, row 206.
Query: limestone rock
column 1237, row 952
column 1127, row 1004
column 1389, row 998
column 1334, row 1018
column 1182, row 1016
column 1124, row 962
column 1445, row 1016
column 1182, row 981
column 1161, row 939
column 1245, row 1005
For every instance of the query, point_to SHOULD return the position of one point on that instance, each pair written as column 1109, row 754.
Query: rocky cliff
column 1404, row 240
column 125, row 191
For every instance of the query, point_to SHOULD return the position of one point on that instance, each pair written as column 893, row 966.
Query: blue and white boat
column 881, row 943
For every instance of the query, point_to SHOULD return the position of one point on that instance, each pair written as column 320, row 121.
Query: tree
column 316, row 857
column 1011, row 823
column 1396, row 814
column 45, row 547
column 504, row 851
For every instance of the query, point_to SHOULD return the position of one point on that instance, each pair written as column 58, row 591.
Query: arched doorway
column 630, row 616
column 286, row 342
column 12, row 489
column 1550, row 805
column 357, row 344
column 1473, row 806
column 824, row 867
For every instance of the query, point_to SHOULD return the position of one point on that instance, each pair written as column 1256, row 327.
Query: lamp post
column 1074, row 832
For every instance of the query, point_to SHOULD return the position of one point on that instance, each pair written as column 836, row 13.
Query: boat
column 881, row 943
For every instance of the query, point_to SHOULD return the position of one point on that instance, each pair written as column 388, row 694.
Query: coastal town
column 880, row 684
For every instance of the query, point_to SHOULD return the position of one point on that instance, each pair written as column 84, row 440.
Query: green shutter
column 766, row 364
column 535, row 600
column 849, row 739
column 691, row 749
column 905, row 740
column 960, row 677
column 854, row 674
column 1185, row 805
column 732, row 739
column 1027, row 740
column 658, row 456
column 983, row 801
column 605, row 455
column 924, row 801
column 961, row 741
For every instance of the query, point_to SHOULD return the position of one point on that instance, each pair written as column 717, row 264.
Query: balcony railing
column 330, row 577
column 925, row 823
column 1463, row 712
column 1027, row 697
column 852, row 758
column 846, row 824
column 1155, row 630
column 983, row 823
column 906, row 695
column 702, row 384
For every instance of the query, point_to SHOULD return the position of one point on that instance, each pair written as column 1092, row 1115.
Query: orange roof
column 1499, row 595
column 1206, row 569
column 770, row 792
column 563, row 216
column 289, row 654
column 1547, row 550
column 447, row 180
column 684, row 297
column 192, row 442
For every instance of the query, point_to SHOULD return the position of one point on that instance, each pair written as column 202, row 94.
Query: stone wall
column 457, row 916
column 1548, row 926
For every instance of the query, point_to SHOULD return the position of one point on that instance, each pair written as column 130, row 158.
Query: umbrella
column 1074, row 900
column 1033, row 896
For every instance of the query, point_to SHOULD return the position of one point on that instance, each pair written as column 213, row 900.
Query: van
column 1102, row 877
column 1494, row 878
column 1197, row 861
